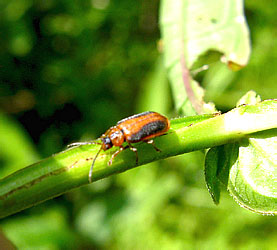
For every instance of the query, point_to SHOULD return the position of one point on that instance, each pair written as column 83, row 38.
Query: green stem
column 69, row 169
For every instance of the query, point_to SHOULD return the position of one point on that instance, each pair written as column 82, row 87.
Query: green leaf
column 14, row 139
column 217, row 165
column 189, row 29
column 211, row 166
column 247, row 168
column 250, row 98
column 253, row 177
column 155, row 90
column 51, row 224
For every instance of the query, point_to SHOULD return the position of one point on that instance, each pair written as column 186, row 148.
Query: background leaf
column 190, row 29
column 14, row 138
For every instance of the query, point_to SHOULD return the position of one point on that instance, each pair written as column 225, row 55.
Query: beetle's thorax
column 116, row 135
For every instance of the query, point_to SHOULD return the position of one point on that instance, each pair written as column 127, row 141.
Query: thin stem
column 69, row 169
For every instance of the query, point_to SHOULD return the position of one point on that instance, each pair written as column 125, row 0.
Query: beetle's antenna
column 76, row 144
column 91, row 168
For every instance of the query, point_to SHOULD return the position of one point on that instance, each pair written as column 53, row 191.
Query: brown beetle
column 141, row 127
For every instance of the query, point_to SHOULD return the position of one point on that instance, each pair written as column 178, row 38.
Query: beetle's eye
column 107, row 143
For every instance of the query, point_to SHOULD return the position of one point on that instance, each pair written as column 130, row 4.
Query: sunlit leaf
column 189, row 29
column 253, row 177
column 248, row 168
column 250, row 98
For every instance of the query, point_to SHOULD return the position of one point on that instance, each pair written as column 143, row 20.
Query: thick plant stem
column 69, row 169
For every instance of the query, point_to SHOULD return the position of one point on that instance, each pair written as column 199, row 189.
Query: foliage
column 71, row 69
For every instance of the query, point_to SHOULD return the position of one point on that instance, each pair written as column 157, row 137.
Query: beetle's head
column 106, row 143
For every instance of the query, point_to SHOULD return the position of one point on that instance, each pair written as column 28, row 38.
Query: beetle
column 140, row 127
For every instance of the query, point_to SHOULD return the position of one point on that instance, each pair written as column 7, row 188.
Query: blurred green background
column 71, row 69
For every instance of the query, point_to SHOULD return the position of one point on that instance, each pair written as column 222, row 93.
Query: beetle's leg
column 121, row 148
column 75, row 144
column 153, row 144
column 135, row 151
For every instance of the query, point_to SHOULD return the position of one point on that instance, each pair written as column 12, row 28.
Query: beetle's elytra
column 141, row 127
